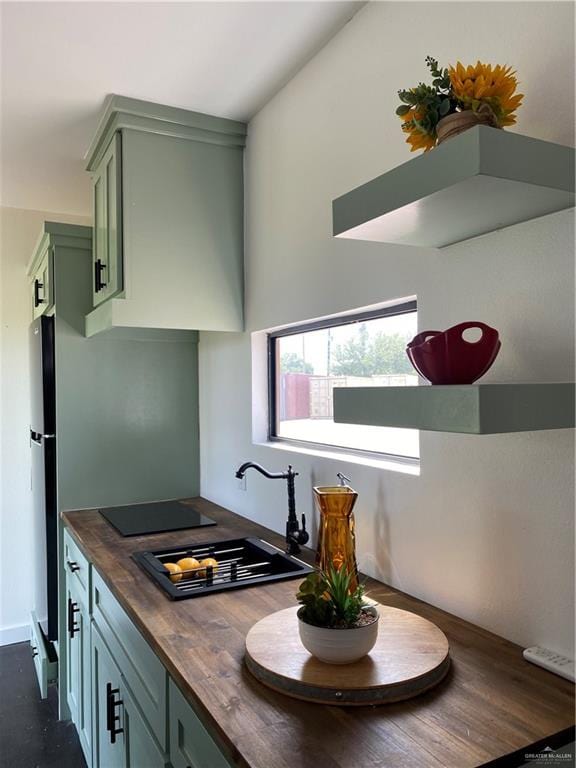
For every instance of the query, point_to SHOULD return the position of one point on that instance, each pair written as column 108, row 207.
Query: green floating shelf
column 476, row 409
column 480, row 181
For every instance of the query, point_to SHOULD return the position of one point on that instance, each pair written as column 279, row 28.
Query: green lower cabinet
column 191, row 746
column 141, row 748
column 127, row 711
column 78, row 678
column 74, row 630
column 122, row 738
column 109, row 750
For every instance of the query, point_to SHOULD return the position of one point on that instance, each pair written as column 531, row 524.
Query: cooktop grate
column 241, row 563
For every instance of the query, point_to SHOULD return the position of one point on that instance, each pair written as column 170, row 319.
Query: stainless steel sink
column 241, row 563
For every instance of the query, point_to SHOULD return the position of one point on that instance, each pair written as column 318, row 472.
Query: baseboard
column 18, row 634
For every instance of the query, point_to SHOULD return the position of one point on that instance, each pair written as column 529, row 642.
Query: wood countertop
column 491, row 704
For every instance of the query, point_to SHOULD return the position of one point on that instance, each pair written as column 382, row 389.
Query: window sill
column 390, row 463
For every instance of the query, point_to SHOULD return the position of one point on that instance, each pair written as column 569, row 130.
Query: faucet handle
column 303, row 535
column 343, row 479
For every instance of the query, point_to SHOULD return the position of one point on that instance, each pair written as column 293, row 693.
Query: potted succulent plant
column 335, row 624
column 459, row 98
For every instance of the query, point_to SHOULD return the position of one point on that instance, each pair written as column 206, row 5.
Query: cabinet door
column 141, row 668
column 42, row 286
column 82, row 638
column 78, row 683
column 73, row 653
column 191, row 746
column 108, row 736
column 107, row 244
column 99, row 235
column 141, row 748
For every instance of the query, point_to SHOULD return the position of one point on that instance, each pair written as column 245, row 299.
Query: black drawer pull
column 111, row 717
column 73, row 565
column 34, row 651
column 37, row 299
column 72, row 625
column 98, row 267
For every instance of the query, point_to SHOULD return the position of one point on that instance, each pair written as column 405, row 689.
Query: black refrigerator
column 43, row 476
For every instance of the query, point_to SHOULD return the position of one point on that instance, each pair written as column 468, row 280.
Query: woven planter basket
column 458, row 122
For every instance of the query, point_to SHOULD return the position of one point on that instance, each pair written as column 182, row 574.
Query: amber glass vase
column 336, row 539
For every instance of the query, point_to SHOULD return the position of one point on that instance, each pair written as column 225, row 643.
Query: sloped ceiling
column 60, row 60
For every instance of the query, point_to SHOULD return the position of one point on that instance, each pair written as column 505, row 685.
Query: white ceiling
column 59, row 60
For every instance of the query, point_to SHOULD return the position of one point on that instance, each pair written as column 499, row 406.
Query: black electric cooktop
column 155, row 517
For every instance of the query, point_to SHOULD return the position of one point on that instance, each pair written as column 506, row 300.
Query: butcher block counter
column 491, row 704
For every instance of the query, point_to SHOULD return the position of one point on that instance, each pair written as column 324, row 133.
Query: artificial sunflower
column 483, row 89
column 476, row 87
column 417, row 136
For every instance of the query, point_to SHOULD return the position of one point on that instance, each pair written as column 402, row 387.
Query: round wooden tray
column 410, row 657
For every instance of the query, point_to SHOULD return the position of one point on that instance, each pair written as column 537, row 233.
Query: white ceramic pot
column 339, row 646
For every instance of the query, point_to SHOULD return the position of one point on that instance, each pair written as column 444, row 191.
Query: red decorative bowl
column 445, row 357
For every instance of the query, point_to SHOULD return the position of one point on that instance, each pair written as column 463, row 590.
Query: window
column 306, row 363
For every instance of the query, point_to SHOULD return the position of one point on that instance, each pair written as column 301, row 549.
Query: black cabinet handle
column 111, row 717
column 73, row 565
column 37, row 299
column 98, row 267
column 34, row 651
column 72, row 626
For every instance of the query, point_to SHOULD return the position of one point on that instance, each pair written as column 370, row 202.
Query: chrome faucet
column 294, row 534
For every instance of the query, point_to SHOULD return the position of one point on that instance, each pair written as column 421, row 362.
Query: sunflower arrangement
column 482, row 89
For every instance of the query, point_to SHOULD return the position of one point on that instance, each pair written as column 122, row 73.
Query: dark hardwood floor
column 30, row 734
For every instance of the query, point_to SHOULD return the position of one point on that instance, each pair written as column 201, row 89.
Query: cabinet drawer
column 191, row 746
column 46, row 666
column 77, row 566
column 140, row 667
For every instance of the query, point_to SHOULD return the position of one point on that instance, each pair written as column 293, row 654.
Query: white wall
column 486, row 530
column 19, row 230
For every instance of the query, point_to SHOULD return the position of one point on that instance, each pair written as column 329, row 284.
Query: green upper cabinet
column 55, row 239
column 42, row 284
column 107, row 242
column 168, row 216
